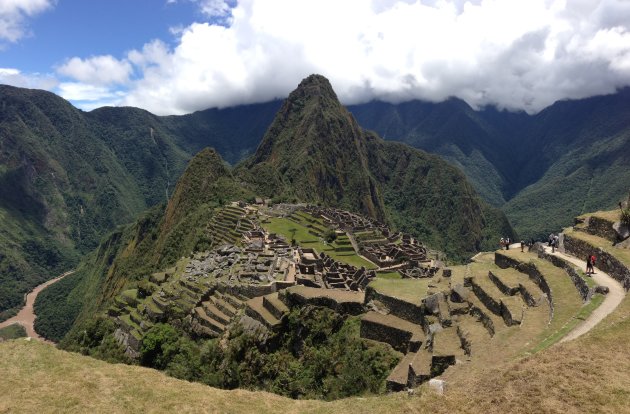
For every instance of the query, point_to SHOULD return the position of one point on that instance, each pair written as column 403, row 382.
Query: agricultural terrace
column 309, row 231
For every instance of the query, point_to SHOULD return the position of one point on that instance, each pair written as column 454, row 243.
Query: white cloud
column 14, row 13
column 214, row 8
column 518, row 54
column 97, row 70
column 88, row 97
column 14, row 77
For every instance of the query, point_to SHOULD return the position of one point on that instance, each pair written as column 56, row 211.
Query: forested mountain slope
column 570, row 158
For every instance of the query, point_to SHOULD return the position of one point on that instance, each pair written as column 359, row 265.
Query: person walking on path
column 592, row 261
column 589, row 265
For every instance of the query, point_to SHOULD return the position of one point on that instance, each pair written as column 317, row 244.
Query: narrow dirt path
column 611, row 300
column 26, row 316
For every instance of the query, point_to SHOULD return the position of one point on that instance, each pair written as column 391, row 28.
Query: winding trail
column 26, row 316
column 611, row 300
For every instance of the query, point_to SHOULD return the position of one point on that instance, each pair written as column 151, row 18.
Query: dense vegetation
column 318, row 354
column 542, row 169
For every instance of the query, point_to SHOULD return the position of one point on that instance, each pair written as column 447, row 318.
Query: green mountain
column 65, row 179
column 315, row 151
column 68, row 177
column 542, row 170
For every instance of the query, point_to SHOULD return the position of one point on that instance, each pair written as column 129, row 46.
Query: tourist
column 593, row 260
column 522, row 246
column 553, row 245
column 589, row 265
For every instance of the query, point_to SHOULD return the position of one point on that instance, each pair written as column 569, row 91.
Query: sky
column 180, row 56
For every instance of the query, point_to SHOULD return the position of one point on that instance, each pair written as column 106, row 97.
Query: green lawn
column 293, row 230
column 410, row 290
column 388, row 275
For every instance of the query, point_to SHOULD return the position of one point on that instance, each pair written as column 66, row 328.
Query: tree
column 159, row 346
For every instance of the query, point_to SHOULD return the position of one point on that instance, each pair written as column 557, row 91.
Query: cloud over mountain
column 519, row 55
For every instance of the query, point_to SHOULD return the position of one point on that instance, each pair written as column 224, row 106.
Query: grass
column 567, row 301
column 586, row 310
column 410, row 290
column 293, row 230
column 13, row 331
column 388, row 275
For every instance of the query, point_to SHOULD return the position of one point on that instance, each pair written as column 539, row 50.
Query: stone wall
column 293, row 299
column 580, row 284
column 605, row 261
column 397, row 338
column 530, row 270
column 601, row 228
column 397, row 307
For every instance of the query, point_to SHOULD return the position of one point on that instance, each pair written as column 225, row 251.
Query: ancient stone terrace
column 456, row 314
column 322, row 271
column 345, row 220
column 407, row 251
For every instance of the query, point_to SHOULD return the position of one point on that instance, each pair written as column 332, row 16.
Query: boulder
column 622, row 230
column 437, row 385
column 602, row 289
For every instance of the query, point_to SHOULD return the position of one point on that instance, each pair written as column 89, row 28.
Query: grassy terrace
column 388, row 275
column 622, row 254
column 611, row 215
column 568, row 306
column 410, row 290
column 300, row 232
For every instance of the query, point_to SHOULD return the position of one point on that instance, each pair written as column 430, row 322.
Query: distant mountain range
column 68, row 177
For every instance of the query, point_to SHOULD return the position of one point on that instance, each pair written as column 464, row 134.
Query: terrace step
column 512, row 310
column 446, row 346
column 274, row 305
column 213, row 325
column 398, row 379
column 402, row 335
column 510, row 281
column 489, row 320
column 223, row 305
column 234, row 301
column 214, row 312
column 488, row 293
column 473, row 334
column 256, row 310
column 420, row 367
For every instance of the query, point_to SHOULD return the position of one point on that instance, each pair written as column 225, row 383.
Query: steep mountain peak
column 315, row 151
column 314, row 86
